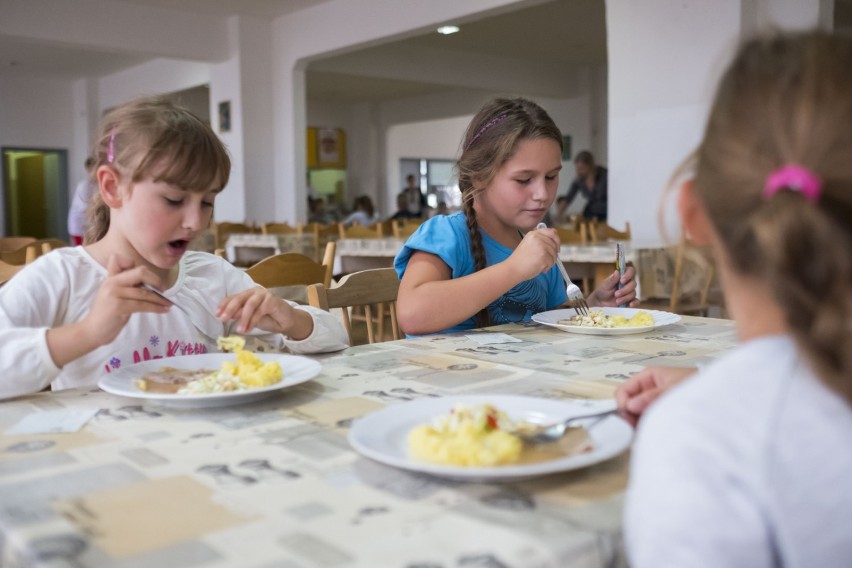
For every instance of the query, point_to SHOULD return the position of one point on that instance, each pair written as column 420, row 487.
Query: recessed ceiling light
column 447, row 30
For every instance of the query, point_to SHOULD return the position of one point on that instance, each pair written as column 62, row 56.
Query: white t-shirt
column 58, row 288
column 747, row 464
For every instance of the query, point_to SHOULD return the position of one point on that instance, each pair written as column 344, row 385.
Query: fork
column 575, row 296
column 554, row 432
column 184, row 310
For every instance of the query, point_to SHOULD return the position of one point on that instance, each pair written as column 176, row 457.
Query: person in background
column 489, row 263
column 415, row 199
column 442, row 208
column 363, row 212
column 743, row 463
column 79, row 312
column 591, row 182
column 402, row 211
column 83, row 193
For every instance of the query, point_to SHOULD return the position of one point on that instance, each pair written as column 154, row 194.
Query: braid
column 482, row 318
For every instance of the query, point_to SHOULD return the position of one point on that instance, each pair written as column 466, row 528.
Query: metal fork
column 575, row 296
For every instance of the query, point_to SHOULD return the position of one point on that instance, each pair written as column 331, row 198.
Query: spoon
column 548, row 433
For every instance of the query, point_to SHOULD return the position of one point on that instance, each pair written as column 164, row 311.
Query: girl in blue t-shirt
column 487, row 264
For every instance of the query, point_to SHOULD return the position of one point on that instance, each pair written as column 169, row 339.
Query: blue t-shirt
column 446, row 237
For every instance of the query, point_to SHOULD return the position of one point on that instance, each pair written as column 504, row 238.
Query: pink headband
column 111, row 146
column 485, row 127
column 794, row 178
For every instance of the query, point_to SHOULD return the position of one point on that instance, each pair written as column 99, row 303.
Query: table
column 274, row 483
column 245, row 249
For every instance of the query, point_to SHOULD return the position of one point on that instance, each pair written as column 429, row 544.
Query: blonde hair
column 154, row 137
column 786, row 100
column 491, row 139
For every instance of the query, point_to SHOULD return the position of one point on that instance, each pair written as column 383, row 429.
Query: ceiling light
column 447, row 30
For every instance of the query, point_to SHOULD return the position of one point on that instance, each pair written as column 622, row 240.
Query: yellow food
column 597, row 318
column 248, row 371
column 478, row 435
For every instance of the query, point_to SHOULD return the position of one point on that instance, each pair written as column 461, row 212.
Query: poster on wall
column 326, row 147
column 225, row 116
column 328, row 140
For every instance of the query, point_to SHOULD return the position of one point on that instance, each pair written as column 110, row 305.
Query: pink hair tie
column 111, row 146
column 794, row 178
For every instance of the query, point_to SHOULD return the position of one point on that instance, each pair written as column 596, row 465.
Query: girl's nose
column 539, row 189
column 192, row 218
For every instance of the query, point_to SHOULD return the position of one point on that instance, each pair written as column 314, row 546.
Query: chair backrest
column 681, row 278
column 599, row 231
column 365, row 288
column 404, row 228
column 26, row 253
column 357, row 231
column 280, row 229
column 8, row 244
column 7, row 271
column 223, row 229
column 294, row 269
column 578, row 236
column 323, row 234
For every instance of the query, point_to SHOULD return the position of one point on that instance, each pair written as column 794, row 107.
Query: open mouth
column 179, row 246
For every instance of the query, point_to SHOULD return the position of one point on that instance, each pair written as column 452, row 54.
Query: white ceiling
column 549, row 38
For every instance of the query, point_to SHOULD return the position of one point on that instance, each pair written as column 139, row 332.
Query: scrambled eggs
column 597, row 318
column 478, row 435
column 247, row 372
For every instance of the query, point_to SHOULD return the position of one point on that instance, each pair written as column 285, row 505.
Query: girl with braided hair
column 488, row 264
column 748, row 462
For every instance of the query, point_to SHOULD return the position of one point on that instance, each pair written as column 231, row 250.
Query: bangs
column 189, row 158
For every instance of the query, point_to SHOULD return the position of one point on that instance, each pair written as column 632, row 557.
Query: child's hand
column 119, row 297
column 635, row 394
column 536, row 253
column 608, row 294
column 259, row 308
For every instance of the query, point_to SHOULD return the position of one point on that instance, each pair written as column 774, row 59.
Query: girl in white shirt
column 77, row 313
column 748, row 463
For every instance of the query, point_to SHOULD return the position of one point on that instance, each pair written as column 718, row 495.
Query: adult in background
column 77, row 221
column 591, row 182
column 414, row 198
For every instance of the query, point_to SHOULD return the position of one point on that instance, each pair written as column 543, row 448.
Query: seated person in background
column 364, row 213
column 317, row 212
column 442, row 208
column 77, row 220
column 591, row 181
column 402, row 211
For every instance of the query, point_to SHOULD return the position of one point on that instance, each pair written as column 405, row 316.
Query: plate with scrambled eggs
column 210, row 379
column 468, row 437
column 606, row 321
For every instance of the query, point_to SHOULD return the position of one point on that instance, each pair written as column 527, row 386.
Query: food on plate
column 245, row 373
column 598, row 318
column 470, row 435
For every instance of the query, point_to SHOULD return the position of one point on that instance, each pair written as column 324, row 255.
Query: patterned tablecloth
column 274, row 483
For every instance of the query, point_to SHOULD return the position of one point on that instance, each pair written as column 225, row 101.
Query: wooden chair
column 280, row 229
column 7, row 271
column 30, row 251
column 357, row 231
column 293, row 269
column 323, row 234
column 692, row 278
column 578, row 236
column 377, row 286
column 404, row 228
column 599, row 231
column 223, row 229
column 8, row 244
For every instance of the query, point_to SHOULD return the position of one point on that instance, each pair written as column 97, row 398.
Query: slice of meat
column 169, row 379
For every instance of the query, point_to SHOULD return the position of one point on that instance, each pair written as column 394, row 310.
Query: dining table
column 245, row 249
column 124, row 482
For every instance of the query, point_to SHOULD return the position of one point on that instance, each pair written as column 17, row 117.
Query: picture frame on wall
column 566, row 148
column 225, row 116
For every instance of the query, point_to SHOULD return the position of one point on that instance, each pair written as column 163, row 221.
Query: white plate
column 553, row 316
column 122, row 381
column 383, row 435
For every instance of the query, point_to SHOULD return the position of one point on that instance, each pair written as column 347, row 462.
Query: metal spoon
column 554, row 432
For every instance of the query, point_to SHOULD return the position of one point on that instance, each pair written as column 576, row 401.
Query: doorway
column 35, row 193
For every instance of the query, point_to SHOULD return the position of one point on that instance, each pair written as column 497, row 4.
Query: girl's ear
column 693, row 216
column 109, row 186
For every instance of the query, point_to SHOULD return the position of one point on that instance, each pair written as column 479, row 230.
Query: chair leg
column 368, row 313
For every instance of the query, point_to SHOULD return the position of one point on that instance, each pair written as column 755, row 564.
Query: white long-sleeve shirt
column 58, row 289
column 748, row 464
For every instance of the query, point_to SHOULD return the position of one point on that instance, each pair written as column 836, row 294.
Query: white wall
column 38, row 113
